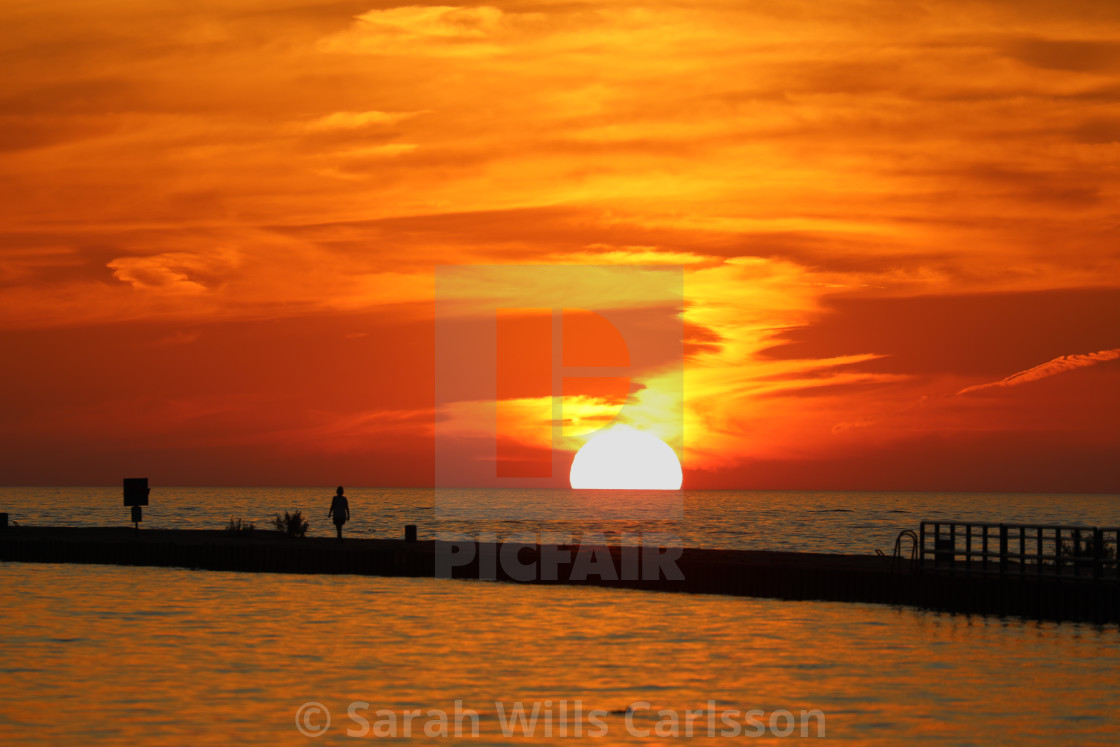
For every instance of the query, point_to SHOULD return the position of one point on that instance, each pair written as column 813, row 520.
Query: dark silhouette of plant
column 1087, row 547
column 292, row 525
column 240, row 527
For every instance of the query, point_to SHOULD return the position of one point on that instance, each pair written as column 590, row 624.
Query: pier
column 1041, row 550
column 958, row 567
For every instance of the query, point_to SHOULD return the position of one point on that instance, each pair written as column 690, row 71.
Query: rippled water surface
column 99, row 654
column 115, row 655
column 805, row 521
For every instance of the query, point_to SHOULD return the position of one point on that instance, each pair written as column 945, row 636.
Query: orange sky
column 219, row 223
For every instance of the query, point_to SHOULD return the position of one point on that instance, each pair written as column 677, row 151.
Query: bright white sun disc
column 625, row 458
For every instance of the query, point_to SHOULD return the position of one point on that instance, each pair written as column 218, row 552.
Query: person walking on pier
column 340, row 510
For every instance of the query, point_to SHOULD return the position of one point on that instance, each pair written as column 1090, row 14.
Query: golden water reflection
column 167, row 656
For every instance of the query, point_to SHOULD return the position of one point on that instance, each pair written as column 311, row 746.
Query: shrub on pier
column 292, row 525
column 239, row 527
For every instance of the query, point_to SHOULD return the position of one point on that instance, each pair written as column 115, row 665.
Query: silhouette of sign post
column 136, row 495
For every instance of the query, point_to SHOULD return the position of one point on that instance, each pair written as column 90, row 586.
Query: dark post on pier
column 136, row 495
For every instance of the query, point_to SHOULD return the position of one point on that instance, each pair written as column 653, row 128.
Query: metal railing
column 1050, row 550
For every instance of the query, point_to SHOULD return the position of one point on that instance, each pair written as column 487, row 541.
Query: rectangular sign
column 136, row 491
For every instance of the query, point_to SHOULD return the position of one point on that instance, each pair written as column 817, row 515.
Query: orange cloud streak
column 1061, row 364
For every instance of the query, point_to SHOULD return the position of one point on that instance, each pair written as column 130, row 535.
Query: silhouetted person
column 340, row 510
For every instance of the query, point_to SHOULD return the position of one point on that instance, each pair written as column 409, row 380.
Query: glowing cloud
column 356, row 120
column 1061, row 364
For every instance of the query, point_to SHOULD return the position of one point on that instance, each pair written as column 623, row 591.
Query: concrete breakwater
column 781, row 575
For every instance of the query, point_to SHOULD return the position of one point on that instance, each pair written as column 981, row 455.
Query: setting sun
column 627, row 459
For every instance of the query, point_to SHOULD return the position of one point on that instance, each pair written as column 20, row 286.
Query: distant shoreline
column 782, row 575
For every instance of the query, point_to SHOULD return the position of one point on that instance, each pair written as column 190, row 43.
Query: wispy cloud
column 606, row 254
column 430, row 30
column 356, row 120
column 1058, row 365
column 173, row 272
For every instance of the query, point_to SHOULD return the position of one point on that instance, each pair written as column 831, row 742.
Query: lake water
column 117, row 655
column 100, row 654
column 760, row 520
